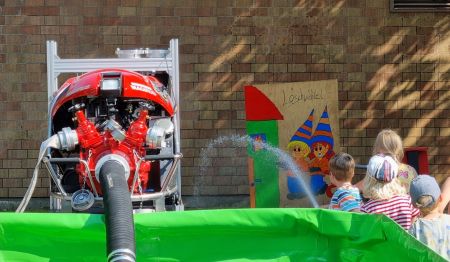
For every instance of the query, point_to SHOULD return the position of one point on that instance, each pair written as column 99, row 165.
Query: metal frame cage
column 139, row 60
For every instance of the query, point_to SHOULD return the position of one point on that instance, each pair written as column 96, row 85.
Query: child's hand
column 445, row 196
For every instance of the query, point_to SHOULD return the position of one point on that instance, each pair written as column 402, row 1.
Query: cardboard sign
column 308, row 130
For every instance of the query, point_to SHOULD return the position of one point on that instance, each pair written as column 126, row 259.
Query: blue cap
column 424, row 185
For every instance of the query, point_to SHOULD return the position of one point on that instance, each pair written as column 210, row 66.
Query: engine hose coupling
column 122, row 161
column 68, row 138
column 82, row 200
column 159, row 130
column 122, row 254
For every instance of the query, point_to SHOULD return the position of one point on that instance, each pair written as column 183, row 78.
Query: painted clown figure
column 299, row 148
column 322, row 150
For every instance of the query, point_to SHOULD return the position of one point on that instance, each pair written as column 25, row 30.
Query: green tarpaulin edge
column 281, row 234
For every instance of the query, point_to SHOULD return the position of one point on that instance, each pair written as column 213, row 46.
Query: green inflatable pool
column 215, row 235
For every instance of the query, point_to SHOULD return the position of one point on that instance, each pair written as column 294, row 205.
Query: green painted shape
column 261, row 234
column 265, row 164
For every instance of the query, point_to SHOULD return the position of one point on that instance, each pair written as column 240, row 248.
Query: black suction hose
column 121, row 246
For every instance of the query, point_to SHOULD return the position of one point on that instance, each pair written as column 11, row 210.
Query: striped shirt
column 346, row 199
column 398, row 208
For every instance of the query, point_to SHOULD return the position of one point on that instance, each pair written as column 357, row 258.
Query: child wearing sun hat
column 385, row 192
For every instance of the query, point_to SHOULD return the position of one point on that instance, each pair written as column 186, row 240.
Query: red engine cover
column 134, row 85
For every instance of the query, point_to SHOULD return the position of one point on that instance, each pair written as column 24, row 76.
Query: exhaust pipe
column 121, row 246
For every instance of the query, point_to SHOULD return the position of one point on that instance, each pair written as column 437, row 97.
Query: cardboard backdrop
column 307, row 129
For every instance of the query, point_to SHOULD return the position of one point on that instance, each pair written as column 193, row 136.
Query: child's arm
column 445, row 196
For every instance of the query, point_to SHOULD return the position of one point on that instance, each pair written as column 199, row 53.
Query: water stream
column 242, row 141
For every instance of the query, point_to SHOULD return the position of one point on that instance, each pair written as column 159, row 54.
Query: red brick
column 11, row 10
column 40, row 10
column 241, row 68
column 264, row 77
column 30, row 29
column 205, row 11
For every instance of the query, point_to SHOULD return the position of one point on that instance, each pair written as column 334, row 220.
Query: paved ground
column 191, row 203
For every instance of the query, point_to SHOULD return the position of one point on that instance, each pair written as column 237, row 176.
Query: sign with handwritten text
column 307, row 107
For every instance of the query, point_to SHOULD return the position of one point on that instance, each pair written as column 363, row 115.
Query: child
column 386, row 193
column 389, row 143
column 346, row 197
column 432, row 228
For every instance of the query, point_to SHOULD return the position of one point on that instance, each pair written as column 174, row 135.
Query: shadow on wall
column 410, row 92
column 393, row 68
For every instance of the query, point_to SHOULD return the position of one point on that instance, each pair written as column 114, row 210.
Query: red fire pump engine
column 113, row 114
column 114, row 142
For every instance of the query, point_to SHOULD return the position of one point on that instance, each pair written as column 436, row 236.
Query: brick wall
column 393, row 71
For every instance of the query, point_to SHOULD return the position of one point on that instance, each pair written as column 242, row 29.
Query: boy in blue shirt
column 346, row 197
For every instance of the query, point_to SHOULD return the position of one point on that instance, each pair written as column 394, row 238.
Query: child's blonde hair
column 388, row 142
column 374, row 189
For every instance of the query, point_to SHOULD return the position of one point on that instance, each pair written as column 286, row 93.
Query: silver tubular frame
column 168, row 64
